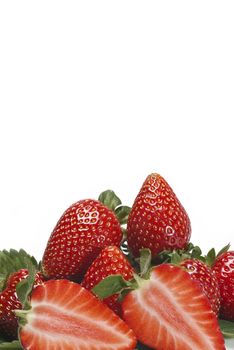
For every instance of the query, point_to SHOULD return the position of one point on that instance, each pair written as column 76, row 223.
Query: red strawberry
column 169, row 311
column 83, row 230
column 205, row 277
column 110, row 261
column 157, row 220
column 9, row 302
column 224, row 270
column 64, row 315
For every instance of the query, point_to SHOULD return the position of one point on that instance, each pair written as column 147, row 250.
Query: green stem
column 22, row 316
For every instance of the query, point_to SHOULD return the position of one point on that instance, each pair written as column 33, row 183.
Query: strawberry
column 10, row 302
column 110, row 261
column 224, row 270
column 157, row 220
column 64, row 315
column 82, row 232
column 167, row 311
column 205, row 277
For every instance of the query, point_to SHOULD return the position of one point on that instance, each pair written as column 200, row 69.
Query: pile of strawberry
column 114, row 277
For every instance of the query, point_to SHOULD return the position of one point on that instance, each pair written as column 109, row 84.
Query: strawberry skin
column 66, row 316
column 205, row 277
column 9, row 302
column 110, row 261
column 157, row 220
column 169, row 311
column 83, row 230
column 224, row 270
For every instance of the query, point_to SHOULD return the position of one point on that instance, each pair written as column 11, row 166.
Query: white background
column 97, row 95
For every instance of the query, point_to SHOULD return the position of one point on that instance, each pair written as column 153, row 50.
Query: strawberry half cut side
column 64, row 315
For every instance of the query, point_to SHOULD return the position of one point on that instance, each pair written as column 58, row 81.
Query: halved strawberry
column 168, row 310
column 64, row 315
column 110, row 261
column 158, row 220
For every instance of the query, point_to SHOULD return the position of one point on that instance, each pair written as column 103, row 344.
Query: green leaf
column 24, row 287
column 202, row 259
column 189, row 247
column 196, row 252
column 110, row 285
column 145, row 262
column 224, row 249
column 10, row 345
column 12, row 261
column 176, row 258
column 122, row 213
column 227, row 328
column 210, row 257
column 109, row 199
column 2, row 281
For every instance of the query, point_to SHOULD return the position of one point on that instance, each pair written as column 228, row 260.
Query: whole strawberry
column 9, row 302
column 110, row 261
column 205, row 277
column 82, row 232
column 224, row 270
column 157, row 220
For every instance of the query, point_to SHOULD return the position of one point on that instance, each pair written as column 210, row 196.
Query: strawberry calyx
column 227, row 328
column 113, row 202
column 177, row 255
column 212, row 255
column 145, row 263
column 15, row 344
column 192, row 251
column 116, row 284
column 23, row 290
